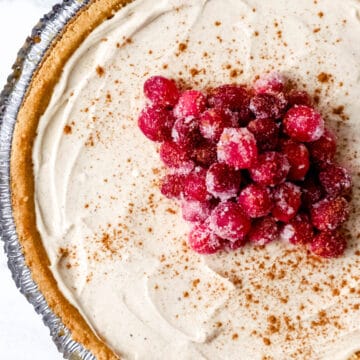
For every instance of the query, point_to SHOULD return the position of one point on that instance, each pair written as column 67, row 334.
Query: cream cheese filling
column 118, row 248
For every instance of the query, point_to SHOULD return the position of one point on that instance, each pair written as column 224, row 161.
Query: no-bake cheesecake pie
column 109, row 251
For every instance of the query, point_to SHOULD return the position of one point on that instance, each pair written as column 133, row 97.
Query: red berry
column 161, row 91
column 212, row 123
column 298, row 157
column 203, row 240
column 268, row 105
column 223, row 181
column 299, row 230
column 195, row 186
column 287, row 198
column 271, row 169
column 156, row 122
column 328, row 244
column 195, row 211
column 172, row 186
column 185, row 132
column 255, row 200
column 303, row 123
column 229, row 222
column 269, row 83
column 204, row 153
column 330, row 213
column 335, row 180
column 264, row 231
column 312, row 191
column 175, row 157
column 296, row 97
column 234, row 245
column 191, row 103
column 266, row 132
column 237, row 147
column 323, row 150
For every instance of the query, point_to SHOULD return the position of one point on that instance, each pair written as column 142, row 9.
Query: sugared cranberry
column 264, row 231
column 195, row 186
column 298, row 157
column 203, row 240
column 234, row 245
column 296, row 97
column 255, row 200
column 266, row 132
column 330, row 213
column 195, row 211
column 186, row 132
column 299, row 230
column 335, row 180
column 312, row 191
column 268, row 105
column 212, row 123
column 205, row 153
column 271, row 169
column 223, row 181
column 237, row 147
column 287, row 201
column 156, row 122
column 303, row 123
column 323, row 150
column 269, row 83
column 229, row 221
column 161, row 90
column 172, row 186
column 191, row 103
column 175, row 157
column 329, row 244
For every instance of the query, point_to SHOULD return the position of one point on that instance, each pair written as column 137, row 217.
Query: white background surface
column 22, row 333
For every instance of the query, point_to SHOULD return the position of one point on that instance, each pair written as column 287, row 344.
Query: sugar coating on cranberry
column 234, row 245
column 323, row 151
column 185, row 132
column 298, row 157
column 237, row 147
column 204, row 153
column 335, row 180
column 203, row 241
column 271, row 169
column 255, row 200
column 229, row 222
column 191, row 104
column 156, row 123
column 269, row 83
column 194, row 185
column 175, row 157
column 329, row 244
column 172, row 186
column 212, row 123
column 287, row 201
column 299, row 230
column 195, row 211
column 330, row 213
column 266, row 132
column 264, row 231
column 303, row 123
column 296, row 97
column 223, row 181
column 161, row 90
column 268, row 105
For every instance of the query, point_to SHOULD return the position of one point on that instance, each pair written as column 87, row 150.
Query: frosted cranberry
column 223, row 181
column 269, row 83
column 312, row 191
column 175, row 157
column 234, row 245
column 156, row 122
column 268, row 105
column 266, row 132
column 329, row 244
column 287, row 201
column 264, row 231
column 303, row 123
column 185, row 132
column 229, row 221
column 255, row 200
column 195, row 211
column 271, row 169
column 191, row 103
column 195, row 186
column 237, row 147
column 298, row 157
column 203, row 240
column 335, row 180
column 330, row 213
column 172, row 186
column 212, row 123
column 204, row 153
column 299, row 230
column 296, row 97
column 161, row 90
column 323, row 151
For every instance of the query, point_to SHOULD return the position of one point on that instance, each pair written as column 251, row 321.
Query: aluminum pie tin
column 28, row 59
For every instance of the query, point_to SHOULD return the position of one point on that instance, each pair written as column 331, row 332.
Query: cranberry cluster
column 248, row 165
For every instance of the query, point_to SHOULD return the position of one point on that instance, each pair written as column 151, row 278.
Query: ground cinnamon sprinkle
column 100, row 71
column 324, row 77
column 67, row 129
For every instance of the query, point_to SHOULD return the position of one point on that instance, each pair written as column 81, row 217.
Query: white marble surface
column 22, row 333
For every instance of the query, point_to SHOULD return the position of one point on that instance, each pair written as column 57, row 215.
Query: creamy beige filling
column 118, row 248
